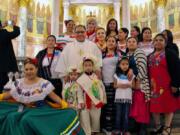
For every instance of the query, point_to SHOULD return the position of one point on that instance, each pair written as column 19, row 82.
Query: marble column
column 66, row 12
column 117, row 11
column 160, row 5
column 126, row 14
column 55, row 17
column 23, row 27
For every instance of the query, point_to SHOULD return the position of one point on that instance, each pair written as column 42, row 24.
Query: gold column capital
column 160, row 3
column 23, row 3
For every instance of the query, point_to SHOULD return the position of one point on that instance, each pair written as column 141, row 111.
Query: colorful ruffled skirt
column 38, row 121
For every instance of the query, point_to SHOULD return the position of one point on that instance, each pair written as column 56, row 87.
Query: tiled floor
column 175, row 131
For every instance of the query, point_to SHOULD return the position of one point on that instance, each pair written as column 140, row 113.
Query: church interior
column 43, row 17
column 39, row 18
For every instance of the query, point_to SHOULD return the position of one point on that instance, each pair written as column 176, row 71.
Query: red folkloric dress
column 162, row 100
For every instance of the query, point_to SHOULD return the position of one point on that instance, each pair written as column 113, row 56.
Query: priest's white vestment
column 73, row 53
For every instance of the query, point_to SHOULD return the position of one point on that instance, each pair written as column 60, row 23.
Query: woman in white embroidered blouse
column 31, row 88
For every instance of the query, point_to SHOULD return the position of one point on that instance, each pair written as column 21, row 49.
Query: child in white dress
column 123, row 96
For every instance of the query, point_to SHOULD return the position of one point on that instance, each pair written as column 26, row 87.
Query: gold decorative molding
column 160, row 3
column 23, row 3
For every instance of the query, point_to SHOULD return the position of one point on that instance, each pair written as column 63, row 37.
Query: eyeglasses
column 80, row 32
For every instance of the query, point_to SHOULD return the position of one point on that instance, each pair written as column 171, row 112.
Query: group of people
column 111, row 81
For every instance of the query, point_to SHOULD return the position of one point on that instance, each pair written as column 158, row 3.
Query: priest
column 73, row 53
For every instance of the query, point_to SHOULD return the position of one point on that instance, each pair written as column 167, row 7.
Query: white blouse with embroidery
column 26, row 93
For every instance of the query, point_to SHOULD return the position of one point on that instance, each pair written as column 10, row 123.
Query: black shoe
column 157, row 131
column 142, row 132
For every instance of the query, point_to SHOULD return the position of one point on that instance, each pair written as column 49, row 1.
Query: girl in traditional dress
column 110, row 60
column 91, row 29
column 146, row 43
column 123, row 96
column 100, row 39
column 30, row 114
column 94, row 96
column 72, row 93
column 47, row 61
column 112, row 28
column 164, row 74
column 139, row 110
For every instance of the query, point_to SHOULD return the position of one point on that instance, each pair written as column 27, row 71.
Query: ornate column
column 117, row 11
column 160, row 4
column 66, row 12
column 23, row 26
column 126, row 14
column 55, row 17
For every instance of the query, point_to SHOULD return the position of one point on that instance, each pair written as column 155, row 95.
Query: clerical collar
column 88, row 73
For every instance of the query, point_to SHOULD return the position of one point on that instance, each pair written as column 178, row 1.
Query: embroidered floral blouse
column 26, row 93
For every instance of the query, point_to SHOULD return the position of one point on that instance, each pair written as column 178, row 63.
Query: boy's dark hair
column 88, row 60
column 118, row 69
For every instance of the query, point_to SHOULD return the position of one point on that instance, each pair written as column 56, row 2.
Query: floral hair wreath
column 73, row 69
column 91, row 58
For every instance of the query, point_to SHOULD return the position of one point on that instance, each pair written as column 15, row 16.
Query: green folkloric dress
column 17, row 119
column 73, row 94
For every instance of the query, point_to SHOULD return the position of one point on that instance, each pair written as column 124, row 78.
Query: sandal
column 166, row 131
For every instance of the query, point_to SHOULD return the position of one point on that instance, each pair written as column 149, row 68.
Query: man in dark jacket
column 7, row 57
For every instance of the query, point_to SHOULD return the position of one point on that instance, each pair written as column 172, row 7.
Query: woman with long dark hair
column 112, row 28
column 170, row 44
